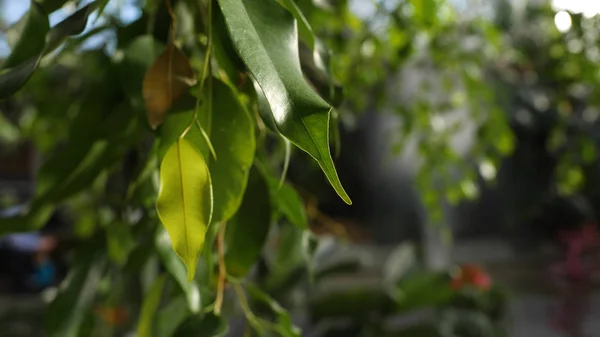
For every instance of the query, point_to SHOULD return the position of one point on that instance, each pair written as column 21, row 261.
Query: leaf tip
column 191, row 269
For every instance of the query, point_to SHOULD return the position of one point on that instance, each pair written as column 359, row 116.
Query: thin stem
column 173, row 20
column 206, row 71
column 222, row 268
column 257, row 323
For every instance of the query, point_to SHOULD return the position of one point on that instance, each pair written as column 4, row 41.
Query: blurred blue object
column 22, row 242
column 44, row 274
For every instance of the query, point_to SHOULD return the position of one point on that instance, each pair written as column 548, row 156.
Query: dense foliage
column 169, row 146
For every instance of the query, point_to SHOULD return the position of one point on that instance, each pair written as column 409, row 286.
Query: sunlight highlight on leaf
column 184, row 201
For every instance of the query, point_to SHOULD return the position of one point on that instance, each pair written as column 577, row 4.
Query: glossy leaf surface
column 265, row 37
column 247, row 231
column 232, row 136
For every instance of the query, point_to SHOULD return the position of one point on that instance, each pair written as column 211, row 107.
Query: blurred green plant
column 170, row 127
column 175, row 122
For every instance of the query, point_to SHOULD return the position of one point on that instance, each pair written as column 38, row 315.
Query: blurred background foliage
column 476, row 98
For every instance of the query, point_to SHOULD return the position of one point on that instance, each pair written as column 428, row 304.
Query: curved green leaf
column 264, row 35
column 171, row 316
column 285, row 198
column 176, row 121
column 304, row 29
column 73, row 25
column 185, row 201
column 50, row 6
column 120, row 242
column 208, row 325
column 138, row 57
column 151, row 302
column 264, row 110
column 176, row 268
column 26, row 52
column 285, row 325
column 223, row 51
column 15, row 78
column 32, row 38
column 232, row 136
column 67, row 312
column 247, row 231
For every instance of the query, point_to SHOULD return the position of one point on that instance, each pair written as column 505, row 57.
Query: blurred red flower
column 473, row 275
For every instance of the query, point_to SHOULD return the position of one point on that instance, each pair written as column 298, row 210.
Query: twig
column 222, row 268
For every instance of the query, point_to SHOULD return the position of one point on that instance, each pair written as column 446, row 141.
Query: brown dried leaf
column 165, row 81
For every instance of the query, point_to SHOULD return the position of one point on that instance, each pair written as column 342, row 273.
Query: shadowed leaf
column 168, row 78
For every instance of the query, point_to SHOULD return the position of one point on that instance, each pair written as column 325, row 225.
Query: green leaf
column 26, row 52
column 32, row 219
column 232, row 136
column 177, row 269
column 101, row 7
column 285, row 198
column 185, row 201
column 177, row 120
column 424, row 11
column 247, row 231
column 223, row 51
column 32, row 38
column 50, row 6
column 73, row 25
column 67, row 312
column 264, row 109
column 138, row 57
column 422, row 289
column 285, row 325
column 15, row 78
column 265, row 37
column 120, row 242
column 151, row 302
column 171, row 316
column 304, row 29
column 316, row 65
column 208, row 325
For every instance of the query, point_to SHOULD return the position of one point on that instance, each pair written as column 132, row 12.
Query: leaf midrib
column 185, row 227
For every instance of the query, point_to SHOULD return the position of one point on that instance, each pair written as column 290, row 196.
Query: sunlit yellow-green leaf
column 184, row 201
